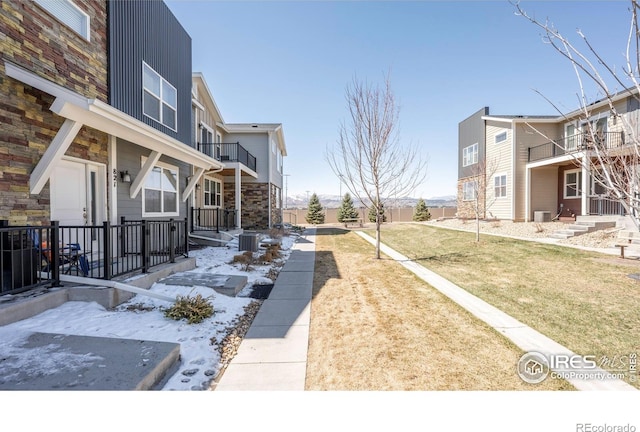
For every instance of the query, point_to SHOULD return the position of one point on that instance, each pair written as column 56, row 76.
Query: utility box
column 542, row 216
column 248, row 242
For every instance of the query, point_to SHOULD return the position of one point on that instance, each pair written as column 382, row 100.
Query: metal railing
column 212, row 219
column 576, row 143
column 229, row 152
column 37, row 256
column 605, row 206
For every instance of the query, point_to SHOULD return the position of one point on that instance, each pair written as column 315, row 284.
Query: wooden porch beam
column 53, row 154
column 137, row 184
column 192, row 183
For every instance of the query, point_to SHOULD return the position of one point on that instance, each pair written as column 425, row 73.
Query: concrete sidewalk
column 526, row 338
column 273, row 353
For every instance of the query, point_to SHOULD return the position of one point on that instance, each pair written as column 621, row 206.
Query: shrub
column 193, row 309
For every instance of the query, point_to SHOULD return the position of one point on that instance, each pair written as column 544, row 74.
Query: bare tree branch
column 369, row 156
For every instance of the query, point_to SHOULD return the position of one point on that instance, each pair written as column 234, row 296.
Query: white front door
column 69, row 193
column 77, row 189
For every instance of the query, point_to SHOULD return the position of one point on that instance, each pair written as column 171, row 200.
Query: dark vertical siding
column 142, row 30
column 471, row 131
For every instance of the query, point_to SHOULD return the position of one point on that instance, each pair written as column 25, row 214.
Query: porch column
column 238, row 182
column 527, row 195
column 586, row 186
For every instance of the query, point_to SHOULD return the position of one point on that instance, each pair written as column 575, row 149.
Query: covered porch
column 564, row 187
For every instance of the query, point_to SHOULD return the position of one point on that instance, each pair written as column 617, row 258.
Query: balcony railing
column 576, row 143
column 601, row 206
column 212, row 219
column 229, row 152
column 37, row 256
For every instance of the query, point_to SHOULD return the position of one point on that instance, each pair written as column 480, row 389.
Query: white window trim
column 163, row 165
column 495, row 137
column 160, row 97
column 578, row 181
column 213, row 180
column 84, row 32
column 465, row 153
column 506, row 182
column 474, row 186
column 211, row 148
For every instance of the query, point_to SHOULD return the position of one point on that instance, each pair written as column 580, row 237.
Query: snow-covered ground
column 142, row 318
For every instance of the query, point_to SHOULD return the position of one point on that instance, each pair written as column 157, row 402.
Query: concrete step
column 581, row 227
column 89, row 363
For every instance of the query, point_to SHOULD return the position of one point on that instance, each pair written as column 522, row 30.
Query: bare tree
column 481, row 190
column 369, row 156
column 615, row 163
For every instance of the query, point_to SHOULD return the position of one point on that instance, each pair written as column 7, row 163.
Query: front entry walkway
column 526, row 338
column 273, row 353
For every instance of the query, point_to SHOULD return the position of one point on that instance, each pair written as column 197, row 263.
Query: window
column 469, row 190
column 160, row 193
column 212, row 193
column 159, row 98
column 69, row 14
column 218, row 146
column 500, row 185
column 572, row 184
column 470, row 155
column 206, row 141
column 501, row 137
column 280, row 161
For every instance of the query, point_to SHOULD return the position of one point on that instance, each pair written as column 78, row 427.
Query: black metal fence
column 37, row 256
column 212, row 219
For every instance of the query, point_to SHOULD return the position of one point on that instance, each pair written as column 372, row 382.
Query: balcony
column 576, row 143
column 229, row 152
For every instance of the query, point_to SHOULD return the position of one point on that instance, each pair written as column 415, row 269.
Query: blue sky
column 289, row 62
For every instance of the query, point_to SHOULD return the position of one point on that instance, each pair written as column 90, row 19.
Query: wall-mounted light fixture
column 125, row 177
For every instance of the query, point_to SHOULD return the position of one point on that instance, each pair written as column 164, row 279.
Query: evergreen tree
column 314, row 212
column 372, row 213
column 421, row 213
column 346, row 209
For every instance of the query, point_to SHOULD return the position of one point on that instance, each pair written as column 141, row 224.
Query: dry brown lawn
column 375, row 326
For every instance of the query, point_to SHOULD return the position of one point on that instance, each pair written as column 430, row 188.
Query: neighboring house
column 532, row 164
column 248, row 188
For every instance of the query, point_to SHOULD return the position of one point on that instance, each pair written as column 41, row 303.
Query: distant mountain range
column 334, row 201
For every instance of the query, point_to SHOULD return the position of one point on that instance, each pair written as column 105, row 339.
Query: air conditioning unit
column 248, row 242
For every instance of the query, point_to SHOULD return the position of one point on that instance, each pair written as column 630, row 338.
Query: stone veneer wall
column 255, row 205
column 31, row 38
column 276, row 204
column 466, row 208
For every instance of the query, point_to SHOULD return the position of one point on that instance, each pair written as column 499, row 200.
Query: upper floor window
column 502, row 136
column 470, row 155
column 159, row 99
column 206, row 141
column 69, row 14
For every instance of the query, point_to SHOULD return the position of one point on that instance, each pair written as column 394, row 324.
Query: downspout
column 514, row 156
column 269, row 152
